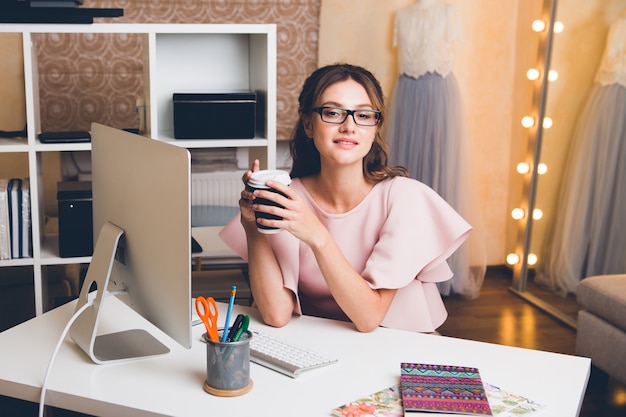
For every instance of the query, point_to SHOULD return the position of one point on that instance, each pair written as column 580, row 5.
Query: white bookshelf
column 177, row 58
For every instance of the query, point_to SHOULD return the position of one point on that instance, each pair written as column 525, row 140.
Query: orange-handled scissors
column 207, row 311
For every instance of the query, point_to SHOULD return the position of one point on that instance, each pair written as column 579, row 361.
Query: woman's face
column 348, row 142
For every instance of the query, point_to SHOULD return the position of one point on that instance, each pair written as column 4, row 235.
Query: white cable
column 42, row 398
column 54, row 354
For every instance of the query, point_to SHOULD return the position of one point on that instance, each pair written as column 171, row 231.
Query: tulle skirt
column 426, row 132
column 589, row 231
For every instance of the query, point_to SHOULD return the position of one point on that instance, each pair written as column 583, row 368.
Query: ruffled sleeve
column 235, row 237
column 420, row 232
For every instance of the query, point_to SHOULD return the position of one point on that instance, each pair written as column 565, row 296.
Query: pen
column 230, row 309
column 243, row 328
column 235, row 328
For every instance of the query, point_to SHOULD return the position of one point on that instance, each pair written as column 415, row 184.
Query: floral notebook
column 385, row 403
column 506, row 404
column 443, row 388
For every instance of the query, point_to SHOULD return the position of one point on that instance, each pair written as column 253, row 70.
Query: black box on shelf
column 75, row 218
column 229, row 115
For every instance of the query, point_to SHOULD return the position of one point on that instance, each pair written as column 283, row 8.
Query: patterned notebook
column 442, row 388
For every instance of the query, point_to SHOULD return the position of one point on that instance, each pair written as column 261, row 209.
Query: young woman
column 360, row 241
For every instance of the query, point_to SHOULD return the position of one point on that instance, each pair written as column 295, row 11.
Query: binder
column 14, row 191
column 25, row 223
column 5, row 240
column 18, row 191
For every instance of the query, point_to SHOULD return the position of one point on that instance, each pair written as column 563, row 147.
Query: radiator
column 221, row 188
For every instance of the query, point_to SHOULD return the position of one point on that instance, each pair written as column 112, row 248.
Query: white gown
column 426, row 128
column 589, row 232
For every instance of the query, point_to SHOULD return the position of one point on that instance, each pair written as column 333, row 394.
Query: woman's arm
column 274, row 301
column 366, row 307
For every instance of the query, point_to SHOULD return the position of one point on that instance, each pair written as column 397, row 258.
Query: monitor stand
column 113, row 347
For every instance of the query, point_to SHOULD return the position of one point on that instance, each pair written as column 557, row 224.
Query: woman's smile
column 346, row 142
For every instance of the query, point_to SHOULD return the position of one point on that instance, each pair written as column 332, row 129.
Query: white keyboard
column 283, row 357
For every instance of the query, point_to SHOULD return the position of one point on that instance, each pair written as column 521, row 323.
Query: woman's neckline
column 326, row 211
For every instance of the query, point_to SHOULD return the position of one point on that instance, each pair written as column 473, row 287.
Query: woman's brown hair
column 304, row 154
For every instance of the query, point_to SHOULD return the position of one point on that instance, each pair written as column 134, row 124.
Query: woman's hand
column 297, row 217
column 245, row 202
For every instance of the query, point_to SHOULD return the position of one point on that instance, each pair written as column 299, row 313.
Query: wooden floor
column 500, row 316
column 497, row 316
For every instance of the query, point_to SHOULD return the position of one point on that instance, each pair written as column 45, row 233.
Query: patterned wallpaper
column 97, row 77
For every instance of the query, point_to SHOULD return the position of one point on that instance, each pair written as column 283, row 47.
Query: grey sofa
column 601, row 333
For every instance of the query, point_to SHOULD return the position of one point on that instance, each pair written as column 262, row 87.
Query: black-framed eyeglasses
column 337, row 115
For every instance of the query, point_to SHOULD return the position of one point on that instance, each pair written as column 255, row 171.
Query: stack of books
column 428, row 389
column 15, row 219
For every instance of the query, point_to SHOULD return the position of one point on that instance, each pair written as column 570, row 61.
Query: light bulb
column 542, row 168
column 528, row 121
column 533, row 74
column 512, row 258
column 517, row 213
column 553, row 75
column 538, row 25
column 558, row 27
column 547, row 122
column 523, row 168
column 537, row 214
column 532, row 259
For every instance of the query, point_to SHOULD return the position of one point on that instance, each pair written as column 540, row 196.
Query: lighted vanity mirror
column 573, row 104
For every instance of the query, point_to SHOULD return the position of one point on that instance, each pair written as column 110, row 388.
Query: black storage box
column 229, row 115
column 75, row 218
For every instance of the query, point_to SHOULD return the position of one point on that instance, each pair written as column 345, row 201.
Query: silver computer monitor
column 142, row 253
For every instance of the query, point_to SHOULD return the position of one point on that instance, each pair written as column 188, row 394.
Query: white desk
column 172, row 384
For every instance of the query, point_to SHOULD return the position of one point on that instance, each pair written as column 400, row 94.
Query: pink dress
column 398, row 237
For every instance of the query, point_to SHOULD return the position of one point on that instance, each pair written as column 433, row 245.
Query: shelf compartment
column 174, row 58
